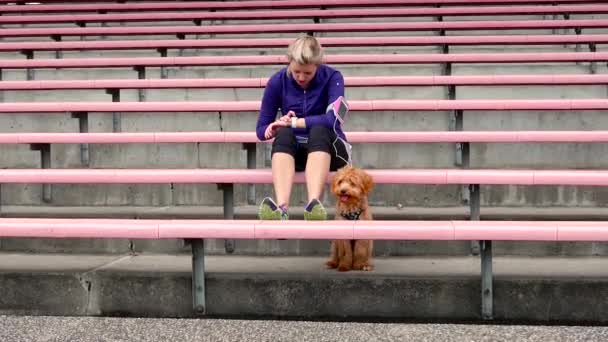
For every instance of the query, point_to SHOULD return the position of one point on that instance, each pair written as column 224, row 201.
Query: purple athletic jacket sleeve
column 271, row 101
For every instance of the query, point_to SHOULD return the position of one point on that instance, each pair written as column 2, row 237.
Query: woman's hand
column 287, row 117
column 283, row 121
column 271, row 130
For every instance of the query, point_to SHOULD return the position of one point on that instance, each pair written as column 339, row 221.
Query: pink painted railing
column 240, row 106
column 255, row 229
column 306, row 14
column 353, row 137
column 264, row 176
column 263, row 4
column 349, row 81
column 290, row 28
column 544, row 57
column 326, row 42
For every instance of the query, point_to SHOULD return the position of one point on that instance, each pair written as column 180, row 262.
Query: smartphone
column 340, row 109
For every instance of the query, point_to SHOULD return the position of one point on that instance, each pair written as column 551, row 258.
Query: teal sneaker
column 269, row 210
column 315, row 211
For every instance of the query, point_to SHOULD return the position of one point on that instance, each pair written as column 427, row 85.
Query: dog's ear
column 333, row 181
column 368, row 182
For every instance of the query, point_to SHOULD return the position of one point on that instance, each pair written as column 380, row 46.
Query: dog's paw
column 343, row 268
column 363, row 267
column 331, row 264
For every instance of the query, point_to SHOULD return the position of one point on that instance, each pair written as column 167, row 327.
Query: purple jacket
column 284, row 93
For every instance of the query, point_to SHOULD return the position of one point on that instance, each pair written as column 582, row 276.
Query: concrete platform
column 412, row 288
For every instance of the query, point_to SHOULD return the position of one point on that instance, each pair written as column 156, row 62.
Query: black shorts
column 320, row 139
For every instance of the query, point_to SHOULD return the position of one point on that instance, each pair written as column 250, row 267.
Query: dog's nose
column 343, row 192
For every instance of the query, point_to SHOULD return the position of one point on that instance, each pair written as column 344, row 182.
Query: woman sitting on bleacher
column 306, row 137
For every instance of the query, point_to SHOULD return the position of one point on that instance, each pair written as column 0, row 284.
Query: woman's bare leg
column 317, row 170
column 283, row 171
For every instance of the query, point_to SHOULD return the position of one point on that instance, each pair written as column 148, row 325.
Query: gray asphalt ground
column 98, row 329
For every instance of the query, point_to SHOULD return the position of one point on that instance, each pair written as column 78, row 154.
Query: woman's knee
column 319, row 139
column 284, row 141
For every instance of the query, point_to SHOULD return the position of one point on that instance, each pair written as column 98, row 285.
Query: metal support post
column 180, row 36
column 457, row 119
column 592, row 65
column 198, row 22
column 487, row 291
column 315, row 20
column 103, row 23
column 58, row 53
column 566, row 17
column 141, row 74
column 116, row 117
column 578, row 31
column 228, row 190
column 475, row 202
column 198, row 276
column 83, row 125
column 472, row 196
column 485, row 251
column 461, row 152
column 45, row 163
column 251, row 164
column 29, row 54
column 81, row 24
column 441, row 32
column 1, row 92
column 163, row 70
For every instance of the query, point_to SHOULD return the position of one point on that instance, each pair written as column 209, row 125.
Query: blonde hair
column 305, row 50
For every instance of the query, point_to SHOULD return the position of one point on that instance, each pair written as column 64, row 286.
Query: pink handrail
column 544, row 57
column 254, row 229
column 290, row 28
column 327, row 42
column 264, row 4
column 353, row 137
column 375, row 81
column 240, row 106
column 263, row 176
column 306, row 14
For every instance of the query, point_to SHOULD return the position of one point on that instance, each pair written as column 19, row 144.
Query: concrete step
column 422, row 288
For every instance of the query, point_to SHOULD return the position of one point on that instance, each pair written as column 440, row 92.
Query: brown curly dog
column 351, row 187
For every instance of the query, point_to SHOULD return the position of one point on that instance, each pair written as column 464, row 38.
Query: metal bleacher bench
column 196, row 231
column 446, row 59
column 180, row 31
column 333, row 59
column 306, row 14
column 255, row 4
column 326, row 42
column 543, row 231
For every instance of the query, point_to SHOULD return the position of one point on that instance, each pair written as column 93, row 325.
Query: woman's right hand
column 287, row 117
column 271, row 130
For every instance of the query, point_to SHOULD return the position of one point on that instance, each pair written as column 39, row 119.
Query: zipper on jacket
column 304, row 109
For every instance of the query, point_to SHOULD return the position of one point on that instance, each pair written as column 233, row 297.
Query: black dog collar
column 353, row 215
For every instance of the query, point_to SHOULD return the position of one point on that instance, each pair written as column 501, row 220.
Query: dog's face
column 350, row 185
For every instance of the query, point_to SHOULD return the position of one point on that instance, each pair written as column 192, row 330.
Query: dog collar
column 353, row 215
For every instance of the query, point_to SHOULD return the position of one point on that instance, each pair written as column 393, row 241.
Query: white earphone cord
column 349, row 161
